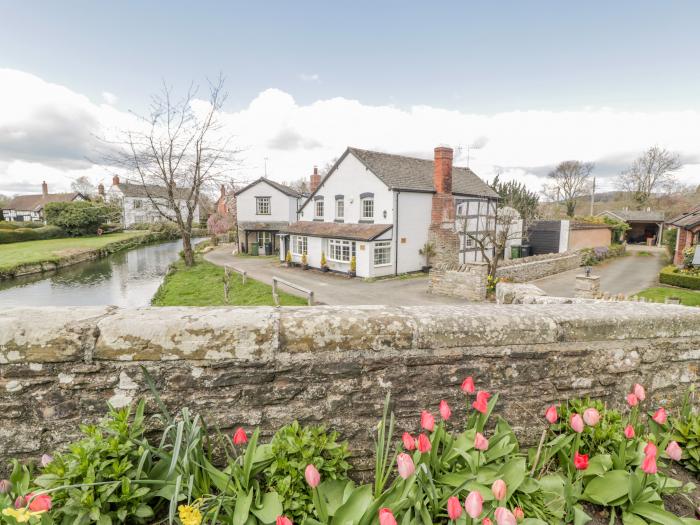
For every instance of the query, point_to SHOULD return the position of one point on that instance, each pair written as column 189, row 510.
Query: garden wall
column 467, row 281
column 266, row 366
column 538, row 266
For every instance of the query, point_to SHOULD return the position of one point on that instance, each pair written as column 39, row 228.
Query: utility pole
column 592, row 196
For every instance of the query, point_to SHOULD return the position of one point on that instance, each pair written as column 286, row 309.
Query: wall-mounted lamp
column 384, row 214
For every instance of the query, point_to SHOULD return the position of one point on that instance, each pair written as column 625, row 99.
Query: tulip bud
column 486, row 521
column 39, row 502
column 445, row 411
column 519, row 514
column 551, row 414
column 427, row 421
column 474, row 504
column 673, row 450
column 239, row 437
column 499, row 489
column 5, row 486
column 504, row 516
column 408, row 442
column 468, row 385
column 649, row 464
column 576, row 422
column 386, row 517
column 405, row 465
column 660, row 416
column 454, row 508
column 629, row 431
column 632, row 400
column 480, row 442
column 650, row 449
column 591, row 417
column 639, row 392
column 283, row 520
column 580, row 461
column 313, row 478
column 20, row 502
column 424, row 444
column 481, row 403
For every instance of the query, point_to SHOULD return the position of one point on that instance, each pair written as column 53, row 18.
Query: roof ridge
column 351, row 148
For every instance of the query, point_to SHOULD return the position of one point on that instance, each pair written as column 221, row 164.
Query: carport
column 646, row 226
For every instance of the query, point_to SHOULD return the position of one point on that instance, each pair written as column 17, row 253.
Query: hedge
column 673, row 276
column 13, row 225
column 30, row 234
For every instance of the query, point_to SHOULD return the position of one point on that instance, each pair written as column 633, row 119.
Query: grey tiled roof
column 281, row 187
column 688, row 219
column 409, row 173
column 636, row 215
column 36, row 202
column 130, row 189
column 357, row 232
column 262, row 226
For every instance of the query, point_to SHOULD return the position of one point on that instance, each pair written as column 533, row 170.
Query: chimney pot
column 115, row 180
column 44, row 189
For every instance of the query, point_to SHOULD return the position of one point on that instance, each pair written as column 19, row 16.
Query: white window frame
column 261, row 203
column 318, row 215
column 383, row 246
column 340, row 209
column 342, row 246
column 300, row 245
column 367, row 201
column 263, row 235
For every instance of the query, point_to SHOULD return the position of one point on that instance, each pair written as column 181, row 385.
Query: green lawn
column 659, row 294
column 203, row 285
column 31, row 252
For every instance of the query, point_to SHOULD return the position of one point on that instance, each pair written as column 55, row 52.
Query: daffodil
column 189, row 515
column 22, row 515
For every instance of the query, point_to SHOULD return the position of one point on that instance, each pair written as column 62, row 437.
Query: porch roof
column 334, row 230
column 255, row 226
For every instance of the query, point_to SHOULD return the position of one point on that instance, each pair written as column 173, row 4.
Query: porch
column 259, row 238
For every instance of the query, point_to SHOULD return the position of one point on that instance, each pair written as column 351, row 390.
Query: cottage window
column 368, row 208
column 264, row 238
column 382, row 253
column 340, row 251
column 319, row 209
column 262, row 205
column 300, row 245
column 340, row 209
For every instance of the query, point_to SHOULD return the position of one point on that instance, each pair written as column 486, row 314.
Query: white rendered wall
column 282, row 206
column 414, row 221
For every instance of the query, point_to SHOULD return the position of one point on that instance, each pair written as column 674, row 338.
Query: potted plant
column 353, row 267
column 427, row 251
column 288, row 259
column 324, row 263
column 304, row 261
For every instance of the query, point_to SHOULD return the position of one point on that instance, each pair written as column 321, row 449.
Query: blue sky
column 536, row 82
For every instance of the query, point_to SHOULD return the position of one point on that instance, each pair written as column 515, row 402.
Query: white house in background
column 30, row 208
column 263, row 208
column 383, row 209
column 137, row 206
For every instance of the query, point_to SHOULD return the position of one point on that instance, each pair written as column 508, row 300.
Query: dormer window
column 262, row 205
column 367, row 206
column 318, row 208
column 339, row 207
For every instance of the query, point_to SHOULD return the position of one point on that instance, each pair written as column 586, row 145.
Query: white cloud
column 109, row 98
column 310, row 77
column 47, row 132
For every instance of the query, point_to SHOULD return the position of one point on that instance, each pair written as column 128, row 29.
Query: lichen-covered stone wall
column 538, row 266
column 467, row 281
column 266, row 366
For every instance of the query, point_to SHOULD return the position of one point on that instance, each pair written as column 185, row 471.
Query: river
column 128, row 278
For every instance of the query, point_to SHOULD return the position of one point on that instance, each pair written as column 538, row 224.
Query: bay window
column 340, row 250
column 382, row 253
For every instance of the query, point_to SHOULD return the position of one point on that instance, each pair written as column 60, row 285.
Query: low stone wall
column 538, row 266
column 467, row 281
column 266, row 366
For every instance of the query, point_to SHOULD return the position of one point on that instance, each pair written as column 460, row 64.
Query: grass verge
column 203, row 285
column 659, row 294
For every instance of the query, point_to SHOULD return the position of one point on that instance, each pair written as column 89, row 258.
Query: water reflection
column 123, row 279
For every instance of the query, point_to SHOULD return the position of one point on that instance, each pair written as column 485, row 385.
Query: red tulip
column 580, row 461
column 519, row 514
column 239, row 437
column 660, row 416
column 408, row 442
column 283, row 520
column 576, row 422
column 445, row 411
column 386, row 517
column 481, row 403
column 650, row 449
column 504, row 516
column 427, row 421
column 405, row 465
column 474, row 504
column 38, row 502
column 486, row 521
column 454, row 508
column 632, row 400
column 649, row 464
column 551, row 414
column 629, row 431
column 591, row 417
column 480, row 442
column 639, row 392
column 468, row 385
column 423, row 444
column 313, row 477
column 499, row 489
column 673, row 450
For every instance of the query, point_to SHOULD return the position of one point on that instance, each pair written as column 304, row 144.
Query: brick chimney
column 442, row 234
column 115, row 180
column 221, row 207
column 101, row 189
column 442, row 174
column 44, row 189
column 315, row 181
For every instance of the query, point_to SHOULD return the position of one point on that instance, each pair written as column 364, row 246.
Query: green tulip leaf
column 580, row 517
column 598, row 465
column 242, row 509
column 655, row 513
column 632, row 519
column 607, row 488
column 269, row 510
column 354, row 508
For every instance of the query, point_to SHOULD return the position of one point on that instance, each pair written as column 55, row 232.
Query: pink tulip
column 660, row 416
column 405, row 465
column 639, row 392
column 486, row 521
column 386, row 517
column 673, row 450
column 283, row 520
column 408, row 442
column 519, row 514
column 591, row 417
column 445, row 411
column 649, row 464
column 427, row 421
column 576, row 422
column 650, row 449
column 632, row 400
column 454, row 508
column 474, row 504
column 551, row 414
column 480, row 442
column 499, row 489
column 423, row 444
column 629, row 431
column 239, row 437
column 38, row 502
column 313, row 478
column 504, row 516
column 20, row 502
column 468, row 385
column 481, row 403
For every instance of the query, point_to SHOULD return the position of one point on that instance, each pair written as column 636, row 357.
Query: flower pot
column 324, row 269
column 305, row 266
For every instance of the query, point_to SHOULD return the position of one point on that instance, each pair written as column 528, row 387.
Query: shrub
column 688, row 255
column 78, row 218
column 30, row 234
column 220, row 224
column 682, row 278
column 593, row 256
column 13, row 225
column 668, row 239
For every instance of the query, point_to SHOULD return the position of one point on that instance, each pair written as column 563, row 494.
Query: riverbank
column 203, row 285
column 33, row 257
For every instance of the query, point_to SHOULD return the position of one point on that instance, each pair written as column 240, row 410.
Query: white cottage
column 263, row 208
column 30, row 208
column 382, row 209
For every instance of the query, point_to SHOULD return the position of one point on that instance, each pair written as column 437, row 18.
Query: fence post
column 245, row 275
column 275, row 297
column 311, row 298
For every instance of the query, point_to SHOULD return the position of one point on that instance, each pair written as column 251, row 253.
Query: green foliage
column 676, row 277
column 98, row 479
column 79, row 217
column 516, row 195
column 659, row 294
column 669, row 241
column 8, row 236
column 688, row 256
column 603, row 438
column 13, row 225
column 293, row 448
column 685, row 429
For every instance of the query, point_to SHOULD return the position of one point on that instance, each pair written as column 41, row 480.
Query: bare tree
column 300, row 185
column 83, row 186
column 177, row 153
column 653, row 171
column 569, row 181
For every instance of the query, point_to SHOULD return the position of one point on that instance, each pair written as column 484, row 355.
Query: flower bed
column 587, row 455
column 683, row 278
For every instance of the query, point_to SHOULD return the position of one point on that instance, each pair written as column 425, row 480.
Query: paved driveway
column 626, row 275
column 335, row 289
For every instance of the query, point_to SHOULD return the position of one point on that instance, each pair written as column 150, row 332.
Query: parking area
column 336, row 289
